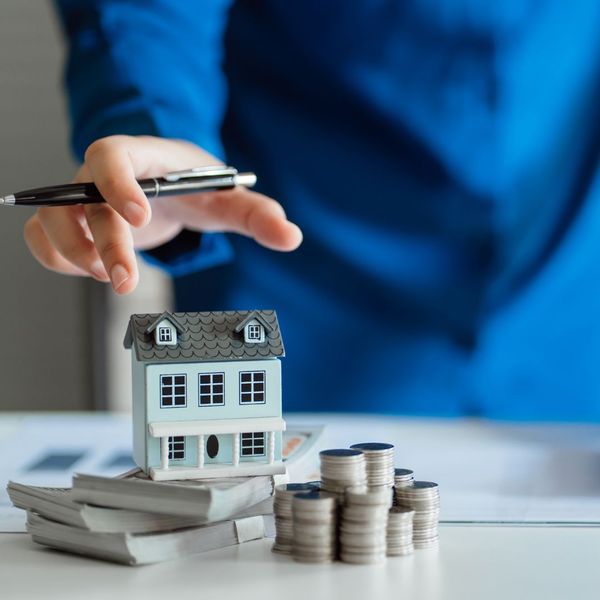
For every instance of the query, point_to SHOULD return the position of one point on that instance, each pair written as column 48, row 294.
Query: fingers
column 96, row 239
column 110, row 165
column 267, row 224
column 114, row 243
column 58, row 239
column 63, row 227
column 114, row 162
column 240, row 211
column 45, row 253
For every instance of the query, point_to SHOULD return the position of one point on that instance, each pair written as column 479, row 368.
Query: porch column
column 164, row 452
column 235, row 449
column 201, row 451
column 271, row 440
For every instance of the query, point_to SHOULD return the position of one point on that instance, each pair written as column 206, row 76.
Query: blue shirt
column 442, row 159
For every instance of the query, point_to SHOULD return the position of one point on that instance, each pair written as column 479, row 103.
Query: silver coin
column 404, row 473
column 373, row 497
column 365, row 513
column 401, row 513
column 404, row 551
column 282, row 509
column 356, row 542
column 310, row 559
column 290, row 489
column 379, row 459
column 281, row 548
column 424, row 545
column 361, row 527
column 362, row 559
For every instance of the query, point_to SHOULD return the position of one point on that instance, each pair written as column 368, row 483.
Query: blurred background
column 66, row 331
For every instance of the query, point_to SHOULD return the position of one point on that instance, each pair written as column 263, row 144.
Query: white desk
column 472, row 563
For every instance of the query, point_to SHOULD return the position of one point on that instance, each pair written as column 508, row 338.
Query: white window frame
column 254, row 331
column 176, row 439
column 212, row 393
column 172, row 395
column 253, row 391
column 256, row 443
column 169, row 335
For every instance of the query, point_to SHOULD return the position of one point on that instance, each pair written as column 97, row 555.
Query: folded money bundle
column 133, row 520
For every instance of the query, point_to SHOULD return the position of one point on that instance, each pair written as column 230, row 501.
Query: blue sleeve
column 149, row 67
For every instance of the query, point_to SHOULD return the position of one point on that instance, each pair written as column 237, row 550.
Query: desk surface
column 473, row 562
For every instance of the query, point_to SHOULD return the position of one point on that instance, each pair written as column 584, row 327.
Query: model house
column 206, row 393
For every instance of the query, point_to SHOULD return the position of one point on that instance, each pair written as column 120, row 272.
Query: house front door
column 212, row 446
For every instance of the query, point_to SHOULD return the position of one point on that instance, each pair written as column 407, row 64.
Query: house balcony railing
column 201, row 429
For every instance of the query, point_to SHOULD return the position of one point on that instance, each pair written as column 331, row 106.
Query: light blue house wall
column 140, row 422
column 147, row 406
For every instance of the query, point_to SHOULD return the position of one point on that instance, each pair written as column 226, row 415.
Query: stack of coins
column 314, row 527
column 282, row 508
column 363, row 527
column 400, row 531
column 424, row 498
column 403, row 477
column 380, row 463
column 342, row 469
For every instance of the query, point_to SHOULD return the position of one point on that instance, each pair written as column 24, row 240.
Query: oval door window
column 212, row 446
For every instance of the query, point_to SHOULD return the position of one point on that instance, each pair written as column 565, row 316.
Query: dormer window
column 254, row 333
column 255, row 327
column 164, row 335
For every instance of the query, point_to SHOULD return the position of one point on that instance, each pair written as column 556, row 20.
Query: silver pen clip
column 209, row 171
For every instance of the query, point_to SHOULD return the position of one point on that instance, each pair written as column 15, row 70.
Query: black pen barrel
column 59, row 195
column 87, row 193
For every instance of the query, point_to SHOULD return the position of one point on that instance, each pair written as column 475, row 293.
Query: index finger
column 240, row 211
column 111, row 168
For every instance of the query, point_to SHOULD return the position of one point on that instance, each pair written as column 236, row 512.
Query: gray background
column 44, row 357
column 61, row 336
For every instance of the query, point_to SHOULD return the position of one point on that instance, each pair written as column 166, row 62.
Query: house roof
column 204, row 336
column 166, row 316
column 251, row 316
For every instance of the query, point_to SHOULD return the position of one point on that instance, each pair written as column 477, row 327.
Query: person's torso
column 434, row 155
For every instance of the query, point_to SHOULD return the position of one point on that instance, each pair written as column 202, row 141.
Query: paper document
column 46, row 450
column 488, row 472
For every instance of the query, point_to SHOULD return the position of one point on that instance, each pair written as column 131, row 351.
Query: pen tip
column 7, row 200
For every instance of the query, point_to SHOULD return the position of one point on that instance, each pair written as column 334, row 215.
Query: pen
column 189, row 181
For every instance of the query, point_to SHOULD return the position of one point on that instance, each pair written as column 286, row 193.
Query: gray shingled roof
column 207, row 336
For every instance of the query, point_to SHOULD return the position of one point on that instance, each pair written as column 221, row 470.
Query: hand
column 97, row 240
